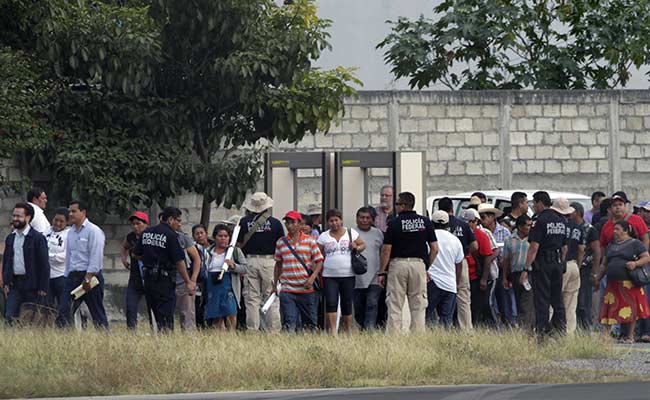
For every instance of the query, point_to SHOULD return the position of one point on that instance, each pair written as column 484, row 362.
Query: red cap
column 293, row 214
column 141, row 216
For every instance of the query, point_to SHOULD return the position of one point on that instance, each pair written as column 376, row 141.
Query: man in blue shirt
column 26, row 270
column 84, row 260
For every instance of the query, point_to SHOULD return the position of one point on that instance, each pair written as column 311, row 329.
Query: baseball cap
column 578, row 207
column 471, row 214
column 644, row 204
column 141, row 216
column 620, row 196
column 440, row 217
column 294, row 215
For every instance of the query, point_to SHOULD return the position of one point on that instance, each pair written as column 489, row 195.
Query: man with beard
column 26, row 270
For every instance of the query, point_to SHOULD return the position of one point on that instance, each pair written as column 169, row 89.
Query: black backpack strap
column 293, row 251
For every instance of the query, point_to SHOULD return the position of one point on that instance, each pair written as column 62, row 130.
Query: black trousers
column 584, row 312
column 160, row 293
column 547, row 291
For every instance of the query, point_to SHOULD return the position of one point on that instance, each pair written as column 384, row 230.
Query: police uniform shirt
column 575, row 236
column 462, row 231
column 264, row 239
column 159, row 246
column 410, row 235
column 549, row 231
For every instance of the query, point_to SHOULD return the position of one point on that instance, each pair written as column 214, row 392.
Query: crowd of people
column 562, row 269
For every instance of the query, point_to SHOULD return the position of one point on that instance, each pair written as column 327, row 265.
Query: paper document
column 79, row 290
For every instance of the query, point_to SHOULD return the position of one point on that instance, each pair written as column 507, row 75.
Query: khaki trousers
column 186, row 308
column 570, row 288
column 258, row 285
column 463, row 299
column 407, row 278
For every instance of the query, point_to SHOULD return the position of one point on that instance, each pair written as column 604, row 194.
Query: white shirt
column 56, row 246
column 338, row 262
column 39, row 222
column 450, row 253
column 216, row 261
column 19, row 255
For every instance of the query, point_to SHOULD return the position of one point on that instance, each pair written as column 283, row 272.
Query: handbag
column 316, row 284
column 640, row 276
column 359, row 262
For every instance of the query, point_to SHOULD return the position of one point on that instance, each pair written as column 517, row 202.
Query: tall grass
column 54, row 363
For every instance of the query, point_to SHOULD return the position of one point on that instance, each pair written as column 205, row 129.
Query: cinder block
column 580, row 124
column 586, row 110
column 588, row 138
column 491, row 168
column 464, row 154
column 534, row 138
column 473, row 139
column 535, row 167
column 552, row 138
column 562, row 124
column 544, row 152
column 324, row 141
column 634, row 123
column 561, row 153
column 456, row 168
column 474, row 168
column 599, row 124
column 464, row 125
column 491, row 139
column 643, row 165
column 379, row 142
column 379, row 112
column 626, row 137
column 427, row 125
column 642, row 137
column 579, row 152
column 603, row 166
column 597, row 152
column 436, row 111
column 418, row 111
column 350, row 126
column 553, row 167
column 551, row 110
column 482, row 153
column 419, row 141
column 455, row 139
column 588, row 166
column 472, row 111
column 533, row 110
column 628, row 165
column 369, row 126
column 446, row 125
column 544, row 124
column 569, row 167
column 634, row 151
column 408, row 125
column 490, row 111
column 525, row 124
column 446, row 153
column 569, row 110
column 517, row 112
column 455, row 111
column 570, row 138
column 437, row 168
column 483, row 124
column 360, row 112
column 517, row 138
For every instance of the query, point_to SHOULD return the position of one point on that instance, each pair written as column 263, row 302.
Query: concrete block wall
column 577, row 141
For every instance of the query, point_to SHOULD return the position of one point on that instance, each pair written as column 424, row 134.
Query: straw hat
column 258, row 202
column 562, row 206
column 487, row 208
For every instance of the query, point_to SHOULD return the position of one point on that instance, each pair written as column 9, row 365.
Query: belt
column 408, row 259
column 20, row 277
column 77, row 273
column 158, row 271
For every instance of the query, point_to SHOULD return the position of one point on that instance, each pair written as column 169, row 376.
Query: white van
column 501, row 199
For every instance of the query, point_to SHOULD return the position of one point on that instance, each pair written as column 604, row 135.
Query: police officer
column 410, row 247
column 162, row 258
column 548, row 239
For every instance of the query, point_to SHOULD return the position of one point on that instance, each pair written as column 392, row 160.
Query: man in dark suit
column 26, row 266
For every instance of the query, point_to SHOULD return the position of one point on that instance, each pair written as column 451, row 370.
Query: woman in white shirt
column 338, row 276
column 56, row 236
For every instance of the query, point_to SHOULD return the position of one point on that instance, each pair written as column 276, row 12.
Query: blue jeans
column 366, row 306
column 16, row 297
column 442, row 302
column 298, row 305
column 93, row 299
column 507, row 305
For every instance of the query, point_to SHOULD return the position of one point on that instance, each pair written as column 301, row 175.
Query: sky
column 357, row 27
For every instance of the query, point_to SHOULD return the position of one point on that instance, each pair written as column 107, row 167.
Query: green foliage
column 24, row 109
column 164, row 96
column 496, row 44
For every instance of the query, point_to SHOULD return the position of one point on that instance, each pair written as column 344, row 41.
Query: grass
column 53, row 363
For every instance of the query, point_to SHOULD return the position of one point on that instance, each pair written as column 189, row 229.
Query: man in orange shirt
column 298, row 262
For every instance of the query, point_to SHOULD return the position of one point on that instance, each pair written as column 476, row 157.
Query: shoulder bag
column 640, row 276
column 316, row 285
column 359, row 262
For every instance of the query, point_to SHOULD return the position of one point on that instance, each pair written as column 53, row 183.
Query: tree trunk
column 205, row 211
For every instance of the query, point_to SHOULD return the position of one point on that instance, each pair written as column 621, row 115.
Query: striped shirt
column 294, row 276
column 515, row 250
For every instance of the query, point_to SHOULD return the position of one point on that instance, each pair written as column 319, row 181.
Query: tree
column 545, row 44
column 178, row 96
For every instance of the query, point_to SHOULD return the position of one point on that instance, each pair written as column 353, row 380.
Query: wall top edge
column 487, row 97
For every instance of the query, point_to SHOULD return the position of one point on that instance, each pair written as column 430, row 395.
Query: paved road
column 609, row 391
